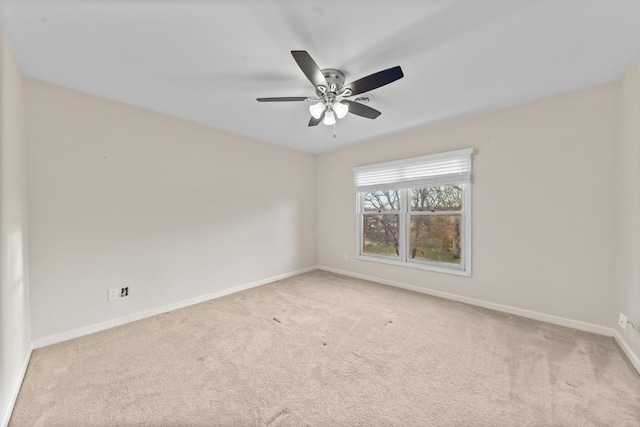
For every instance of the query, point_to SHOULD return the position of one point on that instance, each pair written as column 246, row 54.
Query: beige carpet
column 325, row 350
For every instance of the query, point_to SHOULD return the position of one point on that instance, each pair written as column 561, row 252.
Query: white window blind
column 443, row 168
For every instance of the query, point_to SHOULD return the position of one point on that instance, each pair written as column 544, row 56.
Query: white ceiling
column 207, row 61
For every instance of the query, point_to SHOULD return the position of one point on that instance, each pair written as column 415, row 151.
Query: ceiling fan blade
column 376, row 80
column 309, row 68
column 314, row 121
column 362, row 110
column 282, row 98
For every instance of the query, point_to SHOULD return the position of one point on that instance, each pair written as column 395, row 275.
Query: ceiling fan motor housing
column 333, row 76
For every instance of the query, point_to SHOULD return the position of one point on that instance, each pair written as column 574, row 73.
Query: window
column 417, row 212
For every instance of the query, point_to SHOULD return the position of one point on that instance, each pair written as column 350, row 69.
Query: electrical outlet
column 622, row 321
column 124, row 292
column 112, row 294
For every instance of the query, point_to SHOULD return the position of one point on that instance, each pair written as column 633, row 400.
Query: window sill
column 420, row 266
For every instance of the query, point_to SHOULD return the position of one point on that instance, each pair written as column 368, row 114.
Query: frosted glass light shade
column 317, row 109
column 341, row 109
column 329, row 118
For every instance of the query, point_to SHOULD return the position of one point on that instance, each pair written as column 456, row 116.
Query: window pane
column 435, row 238
column 381, row 201
column 437, row 198
column 380, row 234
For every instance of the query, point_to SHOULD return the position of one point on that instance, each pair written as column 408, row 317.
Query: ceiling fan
column 330, row 101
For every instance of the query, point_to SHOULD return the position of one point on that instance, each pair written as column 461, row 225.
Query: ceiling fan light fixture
column 340, row 109
column 317, row 109
column 329, row 118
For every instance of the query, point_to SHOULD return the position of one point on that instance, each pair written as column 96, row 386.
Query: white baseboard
column 626, row 348
column 96, row 327
column 6, row 417
column 556, row 320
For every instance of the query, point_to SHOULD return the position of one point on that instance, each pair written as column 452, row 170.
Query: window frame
column 404, row 230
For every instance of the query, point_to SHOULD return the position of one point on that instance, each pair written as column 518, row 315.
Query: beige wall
column 15, row 335
column 122, row 196
column 543, row 206
column 627, row 289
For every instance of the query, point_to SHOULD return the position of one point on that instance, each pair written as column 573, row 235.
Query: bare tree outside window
column 381, row 223
column 434, row 223
column 439, row 198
